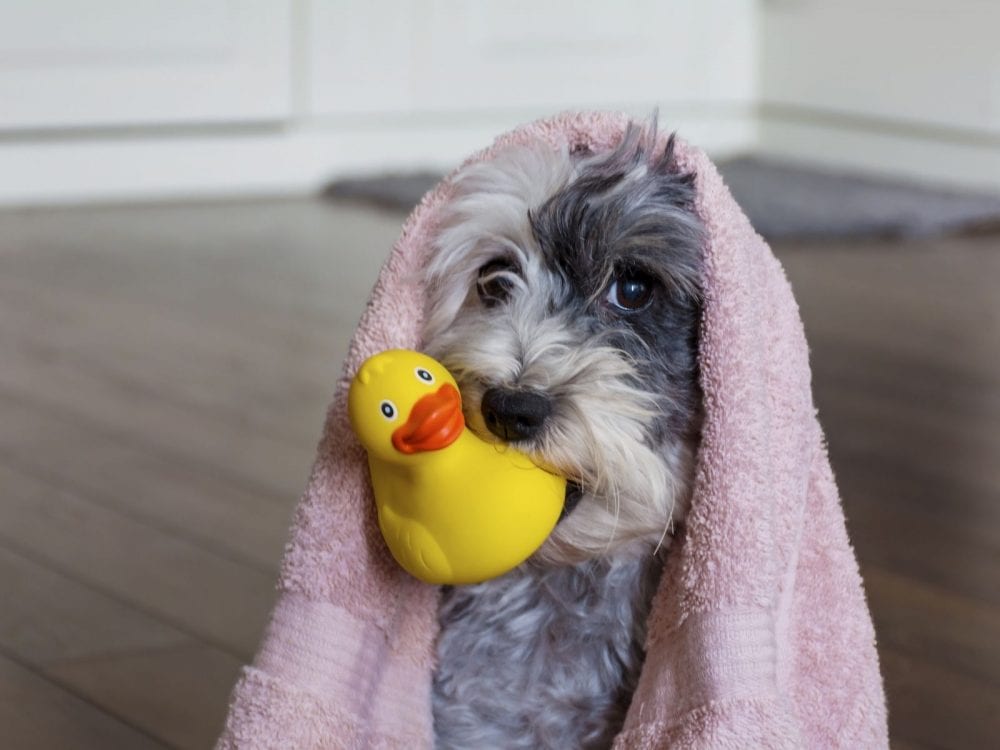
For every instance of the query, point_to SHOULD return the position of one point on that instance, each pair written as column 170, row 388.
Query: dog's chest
column 541, row 658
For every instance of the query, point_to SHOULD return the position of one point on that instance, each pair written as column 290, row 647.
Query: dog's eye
column 496, row 282
column 631, row 291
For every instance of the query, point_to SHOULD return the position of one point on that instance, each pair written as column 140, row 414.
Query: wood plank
column 164, row 374
column 46, row 616
column 919, row 620
column 938, row 385
column 192, row 500
column 916, row 544
column 928, row 300
column 37, row 715
column 904, row 340
column 129, row 664
column 203, row 280
column 897, row 744
column 271, row 386
column 211, row 597
column 933, row 705
column 965, row 501
column 274, row 260
column 149, row 331
column 179, row 694
column 963, row 438
column 167, row 378
column 273, row 464
column 915, row 478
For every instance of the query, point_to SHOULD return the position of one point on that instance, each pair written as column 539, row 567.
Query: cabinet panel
column 451, row 55
column 362, row 56
column 137, row 62
column 923, row 61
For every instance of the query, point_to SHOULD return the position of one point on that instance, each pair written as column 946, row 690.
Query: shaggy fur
column 570, row 282
column 558, row 647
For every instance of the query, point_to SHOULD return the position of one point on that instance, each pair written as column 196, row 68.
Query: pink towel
column 759, row 635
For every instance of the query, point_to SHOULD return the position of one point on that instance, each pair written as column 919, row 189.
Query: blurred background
column 196, row 196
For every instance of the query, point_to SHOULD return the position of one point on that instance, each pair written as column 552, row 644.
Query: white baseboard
column 963, row 159
column 138, row 165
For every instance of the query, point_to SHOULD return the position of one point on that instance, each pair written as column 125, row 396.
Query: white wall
column 148, row 98
column 910, row 87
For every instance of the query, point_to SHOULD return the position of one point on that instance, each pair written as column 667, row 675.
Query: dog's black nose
column 515, row 415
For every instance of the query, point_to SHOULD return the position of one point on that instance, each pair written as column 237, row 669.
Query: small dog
column 565, row 296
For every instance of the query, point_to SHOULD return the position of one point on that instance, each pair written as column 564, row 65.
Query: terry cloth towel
column 759, row 635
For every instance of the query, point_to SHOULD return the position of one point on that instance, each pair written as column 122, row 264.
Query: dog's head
column 564, row 295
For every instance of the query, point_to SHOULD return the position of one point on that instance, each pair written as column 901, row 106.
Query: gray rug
column 783, row 201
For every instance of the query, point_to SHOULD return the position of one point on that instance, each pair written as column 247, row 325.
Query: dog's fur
column 538, row 253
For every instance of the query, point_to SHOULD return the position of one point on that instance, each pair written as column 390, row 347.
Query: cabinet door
column 143, row 62
column 415, row 56
column 925, row 62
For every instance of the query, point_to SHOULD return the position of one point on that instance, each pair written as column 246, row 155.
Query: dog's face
column 565, row 298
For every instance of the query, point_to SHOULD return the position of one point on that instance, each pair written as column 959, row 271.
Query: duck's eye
column 631, row 290
column 424, row 375
column 388, row 410
column 496, row 281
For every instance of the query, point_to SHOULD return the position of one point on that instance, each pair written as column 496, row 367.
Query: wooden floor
column 163, row 376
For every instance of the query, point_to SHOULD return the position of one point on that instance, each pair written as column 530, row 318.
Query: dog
column 565, row 295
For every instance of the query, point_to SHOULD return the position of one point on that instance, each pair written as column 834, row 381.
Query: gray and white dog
column 565, row 298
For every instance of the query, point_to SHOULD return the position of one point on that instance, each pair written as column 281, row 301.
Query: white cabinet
column 69, row 64
column 925, row 63
column 903, row 87
column 123, row 99
column 437, row 56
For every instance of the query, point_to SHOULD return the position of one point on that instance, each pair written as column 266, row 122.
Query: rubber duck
column 453, row 508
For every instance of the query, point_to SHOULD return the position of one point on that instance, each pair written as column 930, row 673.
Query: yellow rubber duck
column 453, row 508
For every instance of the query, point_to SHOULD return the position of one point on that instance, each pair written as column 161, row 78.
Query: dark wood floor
column 163, row 376
column 906, row 364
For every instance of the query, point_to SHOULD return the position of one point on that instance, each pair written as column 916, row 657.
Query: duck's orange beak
column 435, row 422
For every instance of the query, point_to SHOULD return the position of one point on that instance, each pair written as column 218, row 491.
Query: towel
column 759, row 634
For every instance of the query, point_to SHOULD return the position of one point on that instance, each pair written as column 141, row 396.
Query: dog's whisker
column 659, row 542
